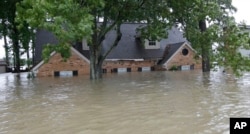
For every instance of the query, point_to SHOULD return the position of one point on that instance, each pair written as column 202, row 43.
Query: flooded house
column 245, row 52
column 131, row 54
column 3, row 66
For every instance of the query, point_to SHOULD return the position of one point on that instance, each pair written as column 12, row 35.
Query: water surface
column 186, row 102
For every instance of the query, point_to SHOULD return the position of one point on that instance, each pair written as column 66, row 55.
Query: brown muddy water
column 130, row 103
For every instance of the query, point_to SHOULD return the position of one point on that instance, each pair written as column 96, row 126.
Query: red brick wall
column 76, row 63
column 134, row 65
column 180, row 59
column 56, row 63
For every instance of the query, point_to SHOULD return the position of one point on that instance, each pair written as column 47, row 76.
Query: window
column 75, row 73
column 185, row 51
column 152, row 43
column 121, row 70
column 65, row 73
column 56, row 73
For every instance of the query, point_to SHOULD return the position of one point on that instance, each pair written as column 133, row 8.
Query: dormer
column 151, row 44
column 146, row 43
column 85, row 45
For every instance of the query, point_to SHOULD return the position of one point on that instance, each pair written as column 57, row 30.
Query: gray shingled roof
column 43, row 37
column 128, row 47
column 170, row 51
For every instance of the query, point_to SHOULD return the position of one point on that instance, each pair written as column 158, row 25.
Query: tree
column 3, row 28
column 8, row 15
column 72, row 20
column 26, row 37
column 202, row 20
column 233, row 38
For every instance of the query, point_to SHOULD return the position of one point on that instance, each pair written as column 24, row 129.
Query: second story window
column 152, row 43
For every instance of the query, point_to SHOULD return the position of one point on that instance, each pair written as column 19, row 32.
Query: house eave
column 124, row 59
column 34, row 69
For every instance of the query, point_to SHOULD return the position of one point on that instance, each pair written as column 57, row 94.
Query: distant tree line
column 17, row 40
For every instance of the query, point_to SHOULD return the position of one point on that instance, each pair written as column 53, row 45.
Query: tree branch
column 104, row 27
column 115, row 43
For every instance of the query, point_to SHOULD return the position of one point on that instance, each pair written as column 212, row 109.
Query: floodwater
column 187, row 102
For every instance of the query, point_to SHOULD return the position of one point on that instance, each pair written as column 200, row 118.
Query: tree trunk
column 16, row 49
column 6, row 50
column 28, row 59
column 96, row 61
column 96, row 56
column 204, row 49
column 33, row 50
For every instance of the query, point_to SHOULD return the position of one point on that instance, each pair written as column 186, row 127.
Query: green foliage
column 22, row 62
column 63, row 49
column 68, row 20
column 174, row 68
column 220, row 39
column 227, row 52
column 29, row 62
column 26, row 35
column 9, row 29
column 47, row 50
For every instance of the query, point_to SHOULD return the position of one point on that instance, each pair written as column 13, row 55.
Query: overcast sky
column 242, row 14
column 243, row 10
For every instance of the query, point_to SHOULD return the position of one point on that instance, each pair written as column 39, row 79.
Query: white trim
column 124, row 59
column 184, row 44
column 34, row 69
column 156, row 46
column 41, row 63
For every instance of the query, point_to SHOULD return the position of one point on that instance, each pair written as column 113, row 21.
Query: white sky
column 243, row 10
column 242, row 13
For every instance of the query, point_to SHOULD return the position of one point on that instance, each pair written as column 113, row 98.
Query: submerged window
column 57, row 73
column 75, row 73
column 65, row 73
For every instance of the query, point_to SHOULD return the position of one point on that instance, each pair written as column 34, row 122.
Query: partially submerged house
column 130, row 55
column 3, row 66
column 245, row 52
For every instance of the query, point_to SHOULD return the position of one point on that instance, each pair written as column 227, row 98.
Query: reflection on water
column 130, row 103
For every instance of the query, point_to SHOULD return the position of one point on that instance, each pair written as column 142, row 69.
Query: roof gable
column 172, row 49
column 53, row 53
